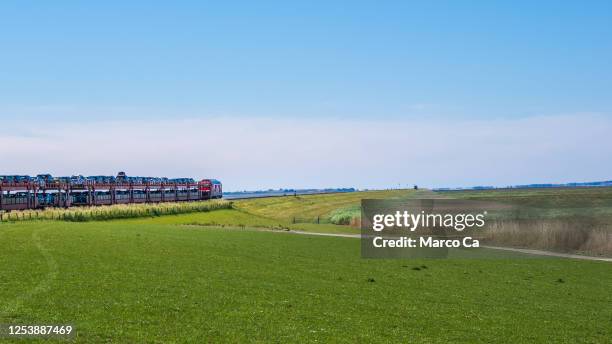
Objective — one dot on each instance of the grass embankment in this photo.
(315, 208)
(129, 283)
(308, 208)
(310, 213)
(325, 213)
(570, 220)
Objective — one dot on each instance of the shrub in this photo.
(117, 211)
(345, 216)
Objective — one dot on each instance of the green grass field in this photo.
(237, 219)
(216, 277)
(166, 283)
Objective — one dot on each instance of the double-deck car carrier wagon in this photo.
(24, 192)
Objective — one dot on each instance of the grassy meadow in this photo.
(216, 276)
(128, 282)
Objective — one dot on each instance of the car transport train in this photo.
(20, 192)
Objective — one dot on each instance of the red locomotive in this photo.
(210, 188)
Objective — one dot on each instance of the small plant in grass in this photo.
(345, 216)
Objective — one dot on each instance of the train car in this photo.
(217, 191)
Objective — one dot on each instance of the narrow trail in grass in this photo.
(548, 253)
(518, 250)
(45, 283)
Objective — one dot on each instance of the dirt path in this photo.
(519, 250)
(551, 254)
(45, 284)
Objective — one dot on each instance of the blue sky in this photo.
(388, 62)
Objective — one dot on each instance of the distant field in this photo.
(577, 220)
(565, 201)
(155, 280)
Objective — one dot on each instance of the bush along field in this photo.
(118, 211)
(346, 216)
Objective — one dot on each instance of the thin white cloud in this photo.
(249, 153)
